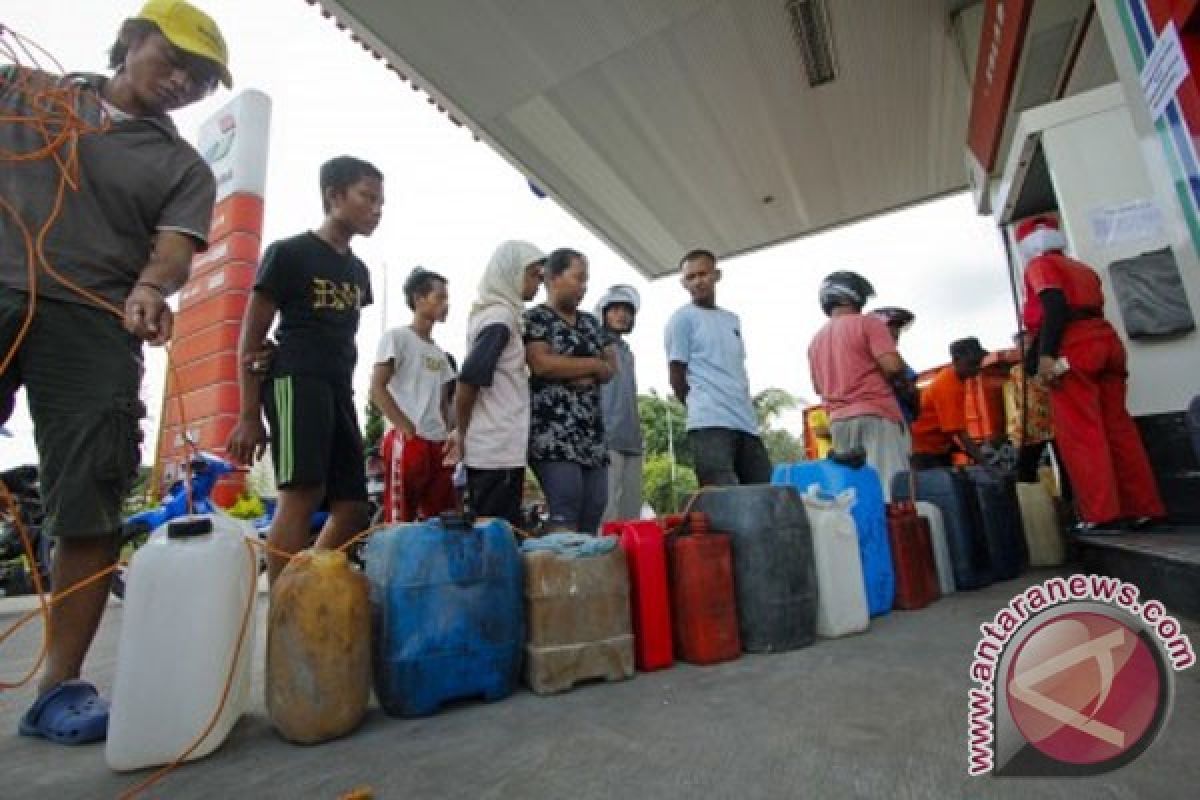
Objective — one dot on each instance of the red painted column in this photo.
(202, 400)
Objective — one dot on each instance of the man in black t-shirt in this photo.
(317, 286)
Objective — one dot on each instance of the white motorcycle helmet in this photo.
(620, 293)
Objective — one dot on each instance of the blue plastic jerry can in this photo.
(447, 613)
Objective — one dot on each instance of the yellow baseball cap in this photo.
(191, 30)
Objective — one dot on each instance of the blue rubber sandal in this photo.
(71, 713)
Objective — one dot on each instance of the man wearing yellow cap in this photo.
(121, 236)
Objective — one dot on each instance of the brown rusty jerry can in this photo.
(579, 623)
(318, 648)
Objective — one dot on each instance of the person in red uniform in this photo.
(1082, 361)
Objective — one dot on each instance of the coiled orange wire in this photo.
(60, 126)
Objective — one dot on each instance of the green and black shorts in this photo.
(315, 438)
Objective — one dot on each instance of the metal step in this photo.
(1164, 564)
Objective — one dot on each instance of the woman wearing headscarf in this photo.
(570, 355)
(491, 403)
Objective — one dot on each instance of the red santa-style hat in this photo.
(1030, 224)
(1039, 235)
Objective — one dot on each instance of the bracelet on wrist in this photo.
(153, 286)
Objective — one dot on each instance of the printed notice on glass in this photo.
(1165, 69)
(1135, 221)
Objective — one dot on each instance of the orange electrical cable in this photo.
(62, 101)
(346, 545)
(56, 106)
(60, 127)
(229, 677)
(14, 510)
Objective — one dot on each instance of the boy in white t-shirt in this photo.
(411, 386)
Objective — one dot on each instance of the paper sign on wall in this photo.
(1135, 221)
(1165, 69)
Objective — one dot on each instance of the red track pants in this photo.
(1100, 444)
(415, 483)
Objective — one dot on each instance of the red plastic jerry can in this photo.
(703, 604)
(645, 550)
(912, 557)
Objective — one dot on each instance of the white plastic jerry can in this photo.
(841, 593)
(187, 630)
(941, 548)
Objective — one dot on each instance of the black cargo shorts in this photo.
(81, 372)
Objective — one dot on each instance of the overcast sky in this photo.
(450, 200)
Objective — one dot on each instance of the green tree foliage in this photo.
(531, 489)
(770, 403)
(373, 430)
(654, 412)
(782, 446)
(260, 480)
(663, 495)
(143, 495)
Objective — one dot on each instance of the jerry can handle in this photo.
(687, 509)
(685, 527)
(189, 527)
(452, 520)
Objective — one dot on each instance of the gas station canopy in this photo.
(665, 125)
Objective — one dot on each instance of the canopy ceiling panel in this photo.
(670, 124)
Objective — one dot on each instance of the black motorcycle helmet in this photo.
(901, 318)
(844, 288)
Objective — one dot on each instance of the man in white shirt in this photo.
(410, 385)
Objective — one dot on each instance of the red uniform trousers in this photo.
(416, 485)
(1100, 443)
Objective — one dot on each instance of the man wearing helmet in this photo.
(707, 362)
(1081, 359)
(854, 364)
(898, 320)
(617, 311)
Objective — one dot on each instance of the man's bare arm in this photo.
(381, 375)
(147, 315)
(677, 371)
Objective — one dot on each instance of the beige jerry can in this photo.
(1040, 521)
(579, 623)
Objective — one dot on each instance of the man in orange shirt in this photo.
(941, 426)
(1081, 359)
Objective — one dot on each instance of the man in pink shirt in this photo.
(854, 367)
